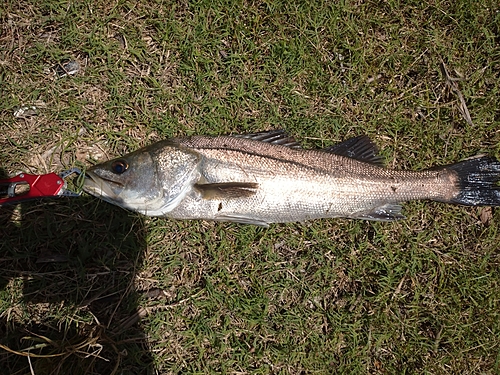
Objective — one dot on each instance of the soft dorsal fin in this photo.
(360, 148)
(275, 137)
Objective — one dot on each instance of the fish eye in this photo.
(119, 166)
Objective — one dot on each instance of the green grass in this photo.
(330, 296)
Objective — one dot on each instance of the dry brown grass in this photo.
(88, 288)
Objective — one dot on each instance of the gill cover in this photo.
(177, 171)
(152, 180)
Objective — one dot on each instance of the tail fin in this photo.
(478, 181)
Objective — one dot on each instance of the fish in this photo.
(267, 177)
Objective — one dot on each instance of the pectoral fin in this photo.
(227, 190)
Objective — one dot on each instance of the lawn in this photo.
(88, 288)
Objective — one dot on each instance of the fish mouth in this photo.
(101, 187)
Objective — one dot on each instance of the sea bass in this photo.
(267, 177)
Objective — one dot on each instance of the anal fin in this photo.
(242, 219)
(227, 190)
(387, 212)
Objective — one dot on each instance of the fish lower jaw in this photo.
(148, 209)
(158, 207)
(99, 193)
(155, 207)
(97, 187)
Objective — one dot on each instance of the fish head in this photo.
(152, 180)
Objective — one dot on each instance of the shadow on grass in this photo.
(67, 293)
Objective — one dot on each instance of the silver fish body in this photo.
(267, 178)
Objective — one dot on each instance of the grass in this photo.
(90, 288)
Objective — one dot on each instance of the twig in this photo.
(32, 355)
(31, 366)
(452, 84)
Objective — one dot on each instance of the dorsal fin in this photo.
(360, 148)
(275, 137)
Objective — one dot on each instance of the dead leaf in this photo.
(486, 215)
(452, 84)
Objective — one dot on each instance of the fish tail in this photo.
(478, 182)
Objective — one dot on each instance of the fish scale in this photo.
(334, 186)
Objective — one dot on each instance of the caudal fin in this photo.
(478, 181)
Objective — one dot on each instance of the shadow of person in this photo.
(67, 296)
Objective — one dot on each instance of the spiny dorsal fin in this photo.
(360, 148)
(275, 137)
(227, 190)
